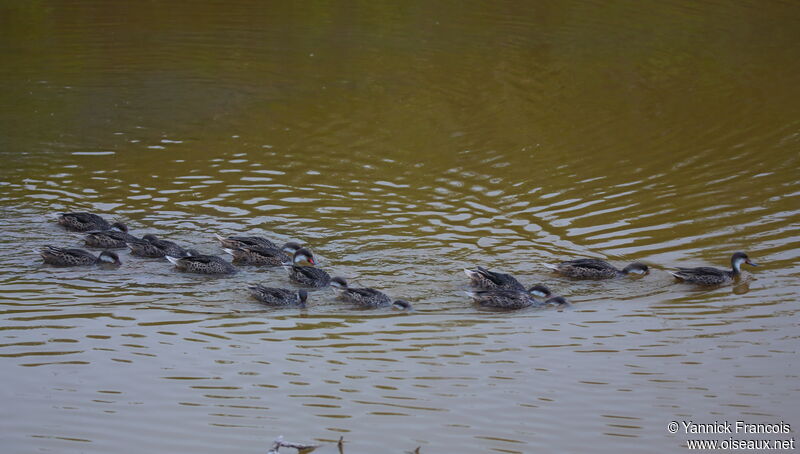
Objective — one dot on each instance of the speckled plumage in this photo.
(151, 246)
(262, 255)
(202, 264)
(236, 242)
(279, 296)
(595, 269)
(82, 222)
(308, 276)
(482, 278)
(110, 239)
(511, 299)
(75, 257)
(367, 298)
(706, 275)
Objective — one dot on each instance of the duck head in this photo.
(291, 247)
(540, 291)
(557, 301)
(339, 283)
(402, 305)
(303, 255)
(738, 258)
(637, 268)
(109, 257)
(301, 296)
(120, 227)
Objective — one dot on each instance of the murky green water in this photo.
(402, 142)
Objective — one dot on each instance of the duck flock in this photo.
(488, 288)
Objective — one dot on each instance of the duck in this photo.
(596, 269)
(515, 299)
(115, 238)
(308, 276)
(367, 298)
(279, 296)
(82, 221)
(153, 247)
(236, 242)
(261, 255)
(202, 264)
(483, 279)
(76, 257)
(705, 275)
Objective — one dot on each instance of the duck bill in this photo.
(751, 263)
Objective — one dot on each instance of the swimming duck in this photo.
(484, 279)
(151, 246)
(261, 255)
(203, 264)
(236, 242)
(366, 297)
(82, 222)
(115, 238)
(279, 296)
(596, 269)
(308, 276)
(705, 275)
(515, 299)
(75, 257)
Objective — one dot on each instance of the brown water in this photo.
(402, 142)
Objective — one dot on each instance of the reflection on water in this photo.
(401, 143)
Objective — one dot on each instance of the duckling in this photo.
(279, 296)
(237, 242)
(308, 276)
(514, 299)
(261, 255)
(367, 298)
(596, 269)
(483, 279)
(82, 221)
(115, 238)
(151, 246)
(202, 264)
(705, 275)
(75, 257)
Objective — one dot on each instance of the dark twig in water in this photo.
(300, 447)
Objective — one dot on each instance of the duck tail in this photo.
(230, 251)
(220, 237)
(550, 267)
(677, 275)
(173, 260)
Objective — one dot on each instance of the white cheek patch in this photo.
(538, 293)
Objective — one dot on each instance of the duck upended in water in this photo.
(515, 299)
(262, 255)
(82, 221)
(236, 242)
(202, 264)
(153, 247)
(279, 296)
(115, 238)
(308, 276)
(366, 297)
(706, 275)
(484, 279)
(76, 257)
(596, 269)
